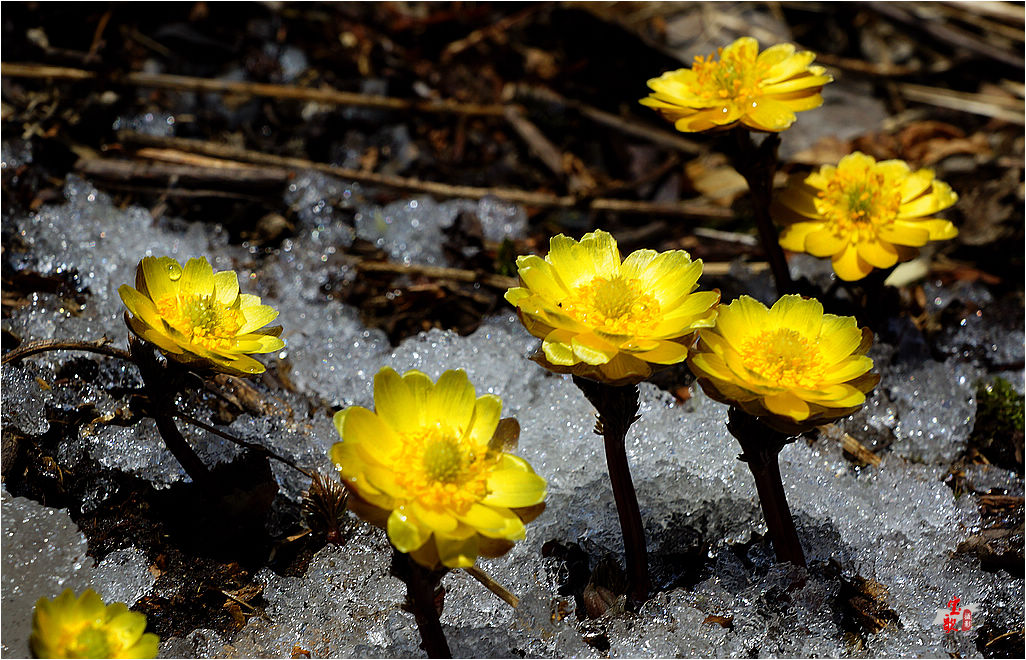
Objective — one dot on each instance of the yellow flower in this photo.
(791, 365)
(83, 627)
(198, 317)
(428, 466)
(760, 90)
(606, 320)
(863, 214)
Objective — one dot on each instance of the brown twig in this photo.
(987, 105)
(326, 96)
(100, 346)
(492, 586)
(437, 272)
(181, 175)
(239, 441)
(628, 126)
(528, 198)
(543, 148)
(949, 34)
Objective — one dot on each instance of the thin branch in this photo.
(986, 105)
(242, 443)
(624, 125)
(949, 35)
(99, 346)
(528, 198)
(491, 585)
(324, 95)
(436, 272)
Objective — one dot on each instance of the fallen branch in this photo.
(100, 346)
(181, 175)
(987, 105)
(324, 95)
(500, 282)
(637, 129)
(528, 198)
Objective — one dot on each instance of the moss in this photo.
(998, 433)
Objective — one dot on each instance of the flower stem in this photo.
(160, 391)
(758, 165)
(761, 446)
(617, 408)
(422, 587)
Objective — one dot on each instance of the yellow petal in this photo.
(494, 522)
(226, 286)
(487, 411)
(849, 266)
(457, 552)
(452, 399)
(697, 310)
(140, 306)
(939, 230)
(154, 336)
(839, 338)
(197, 278)
(877, 254)
(767, 114)
(848, 369)
(804, 315)
(800, 198)
(403, 531)
(377, 439)
(600, 247)
(540, 278)
(736, 321)
(905, 233)
(557, 348)
(155, 275)
(254, 343)
(591, 349)
(668, 352)
(514, 488)
(915, 184)
(257, 316)
(941, 196)
(825, 243)
(394, 402)
(636, 263)
(793, 236)
(571, 263)
(787, 404)
(436, 520)
(623, 369)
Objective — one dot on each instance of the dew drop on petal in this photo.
(174, 271)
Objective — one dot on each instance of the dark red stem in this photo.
(761, 446)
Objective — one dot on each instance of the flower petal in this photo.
(226, 286)
(395, 403)
(457, 552)
(197, 278)
(514, 488)
(451, 399)
(403, 531)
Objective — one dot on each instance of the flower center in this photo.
(442, 470)
(202, 319)
(734, 76)
(90, 642)
(858, 204)
(617, 305)
(784, 357)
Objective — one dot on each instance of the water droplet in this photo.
(174, 271)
